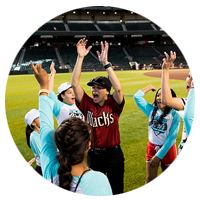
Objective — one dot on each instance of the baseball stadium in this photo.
(136, 51)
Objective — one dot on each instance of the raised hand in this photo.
(103, 56)
(149, 88)
(168, 61)
(81, 48)
(52, 69)
(41, 75)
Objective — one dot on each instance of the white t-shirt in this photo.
(64, 111)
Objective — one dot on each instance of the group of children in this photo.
(88, 127)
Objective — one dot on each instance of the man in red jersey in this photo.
(102, 113)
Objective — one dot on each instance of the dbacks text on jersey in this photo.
(106, 119)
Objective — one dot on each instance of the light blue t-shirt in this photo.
(188, 116)
(64, 111)
(36, 146)
(92, 183)
(159, 133)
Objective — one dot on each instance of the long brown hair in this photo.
(166, 111)
(71, 138)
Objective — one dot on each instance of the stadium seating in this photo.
(110, 26)
(81, 26)
(116, 55)
(138, 26)
(16, 60)
(142, 51)
(143, 54)
(37, 55)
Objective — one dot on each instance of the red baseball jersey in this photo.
(103, 120)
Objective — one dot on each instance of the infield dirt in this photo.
(173, 74)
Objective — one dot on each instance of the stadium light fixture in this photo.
(46, 36)
(136, 36)
(80, 36)
(108, 36)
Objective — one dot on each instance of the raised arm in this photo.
(52, 76)
(42, 78)
(82, 52)
(141, 102)
(149, 88)
(189, 114)
(49, 163)
(117, 89)
(167, 98)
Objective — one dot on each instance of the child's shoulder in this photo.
(174, 112)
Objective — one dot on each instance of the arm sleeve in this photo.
(57, 104)
(171, 139)
(35, 143)
(142, 103)
(49, 162)
(189, 111)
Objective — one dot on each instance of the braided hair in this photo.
(71, 138)
(166, 111)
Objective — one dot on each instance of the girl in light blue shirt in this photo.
(64, 106)
(33, 136)
(163, 128)
(66, 167)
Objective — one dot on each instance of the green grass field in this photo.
(22, 96)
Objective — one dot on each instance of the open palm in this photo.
(168, 61)
(81, 48)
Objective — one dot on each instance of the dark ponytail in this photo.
(71, 138)
(29, 130)
(166, 111)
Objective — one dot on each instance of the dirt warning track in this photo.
(173, 74)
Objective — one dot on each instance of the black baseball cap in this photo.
(102, 81)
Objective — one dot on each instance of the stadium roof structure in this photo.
(64, 9)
